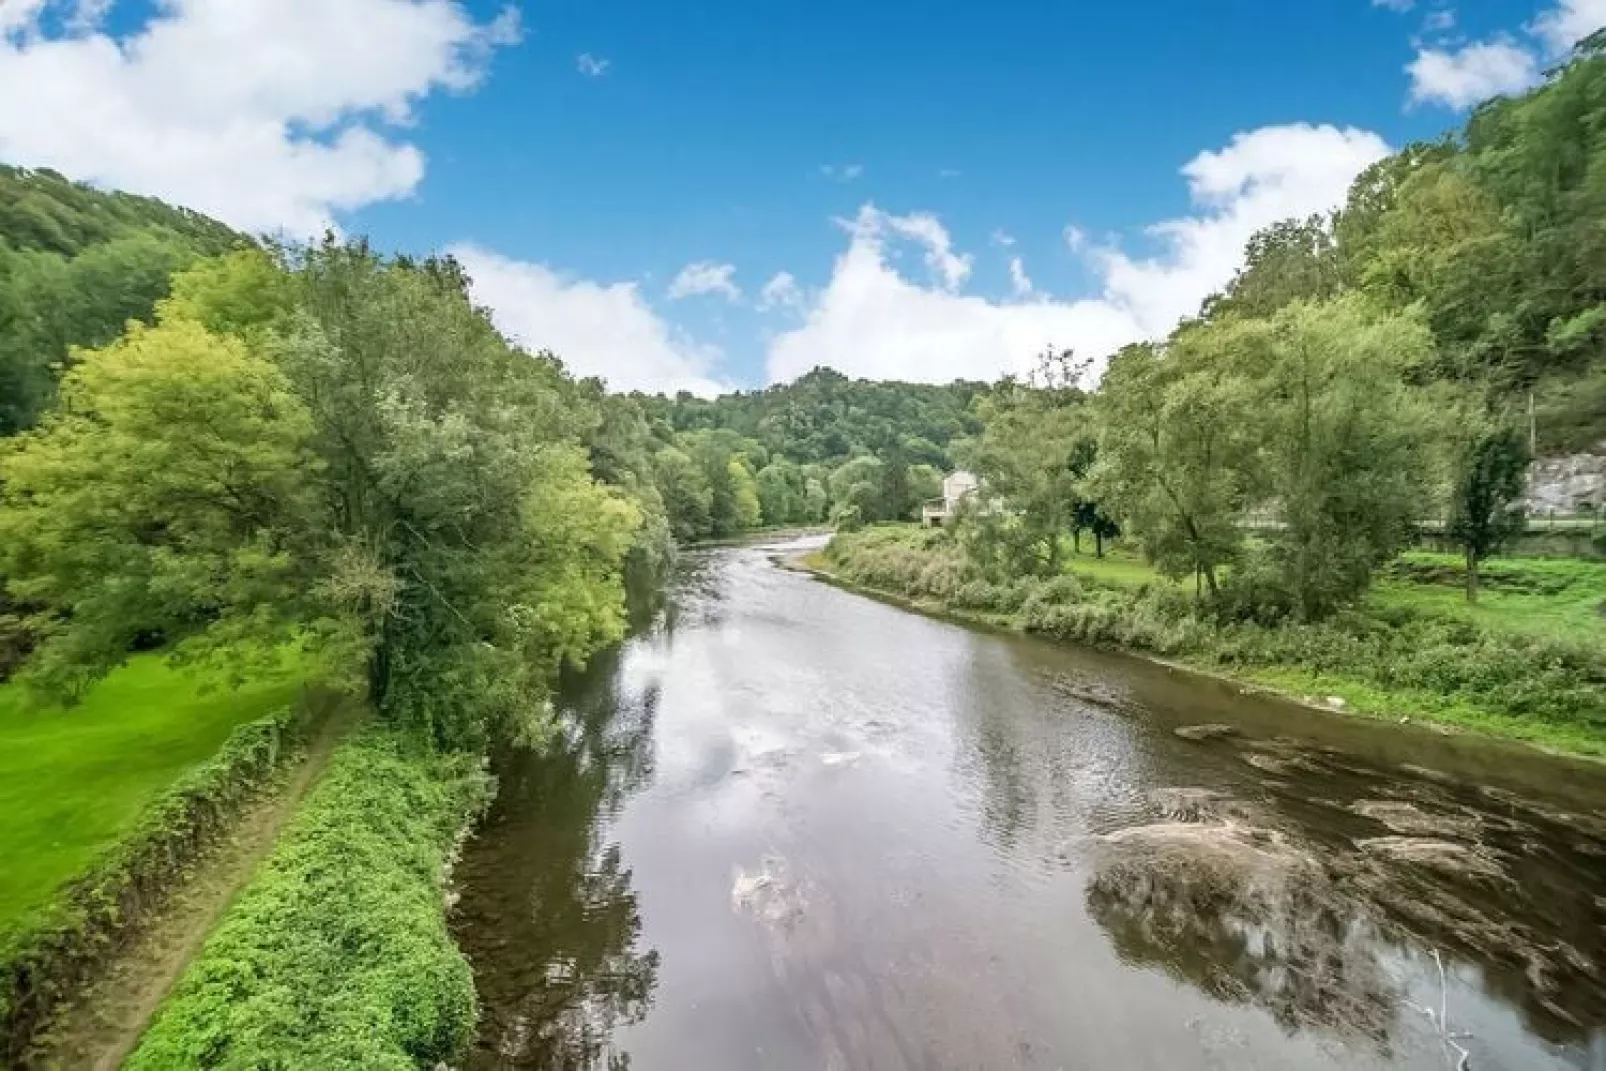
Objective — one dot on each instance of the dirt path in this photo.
(101, 1027)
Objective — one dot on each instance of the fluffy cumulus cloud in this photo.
(705, 277)
(872, 320)
(1460, 78)
(1569, 22)
(1464, 75)
(598, 329)
(260, 112)
(1263, 176)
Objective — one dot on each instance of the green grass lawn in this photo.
(71, 781)
(1118, 566)
(1557, 598)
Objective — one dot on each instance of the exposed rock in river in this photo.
(1209, 731)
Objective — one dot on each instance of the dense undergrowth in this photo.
(63, 945)
(1383, 658)
(338, 953)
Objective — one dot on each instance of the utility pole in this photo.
(1533, 428)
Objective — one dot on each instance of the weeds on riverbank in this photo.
(338, 954)
(1386, 659)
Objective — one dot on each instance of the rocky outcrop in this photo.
(1566, 485)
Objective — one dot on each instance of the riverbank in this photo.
(1400, 663)
(337, 953)
(93, 884)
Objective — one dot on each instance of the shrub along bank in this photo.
(65, 943)
(1389, 659)
(338, 954)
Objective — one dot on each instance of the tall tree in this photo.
(1485, 510)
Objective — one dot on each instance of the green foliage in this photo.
(168, 495)
(106, 767)
(1484, 510)
(337, 954)
(469, 551)
(1343, 446)
(76, 264)
(1176, 444)
(1032, 456)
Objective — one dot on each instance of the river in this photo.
(793, 827)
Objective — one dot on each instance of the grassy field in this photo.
(1556, 598)
(72, 780)
(1559, 598)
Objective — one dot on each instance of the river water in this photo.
(793, 827)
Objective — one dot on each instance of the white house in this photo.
(955, 486)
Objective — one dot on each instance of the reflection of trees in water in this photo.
(548, 916)
(1245, 919)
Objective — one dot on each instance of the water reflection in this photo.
(864, 838)
(549, 918)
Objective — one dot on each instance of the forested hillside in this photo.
(824, 447)
(76, 264)
(1493, 239)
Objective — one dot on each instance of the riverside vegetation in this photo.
(1396, 654)
(215, 451)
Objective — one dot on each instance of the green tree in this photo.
(688, 500)
(1485, 511)
(1176, 449)
(1344, 444)
(172, 494)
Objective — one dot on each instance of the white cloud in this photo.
(1075, 238)
(1568, 23)
(1439, 21)
(924, 229)
(705, 277)
(592, 66)
(1019, 281)
(870, 320)
(1462, 77)
(1471, 74)
(842, 172)
(1002, 239)
(598, 329)
(260, 112)
(782, 291)
(1261, 177)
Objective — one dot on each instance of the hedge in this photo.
(338, 954)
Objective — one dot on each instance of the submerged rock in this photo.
(1412, 821)
(1449, 858)
(1207, 731)
(1245, 915)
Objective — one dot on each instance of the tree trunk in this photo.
(1076, 540)
(1098, 543)
(1472, 577)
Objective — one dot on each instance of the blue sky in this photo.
(929, 189)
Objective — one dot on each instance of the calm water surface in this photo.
(792, 827)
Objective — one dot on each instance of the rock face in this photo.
(1566, 485)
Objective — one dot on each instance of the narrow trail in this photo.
(99, 1029)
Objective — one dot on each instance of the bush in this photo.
(337, 954)
(95, 914)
